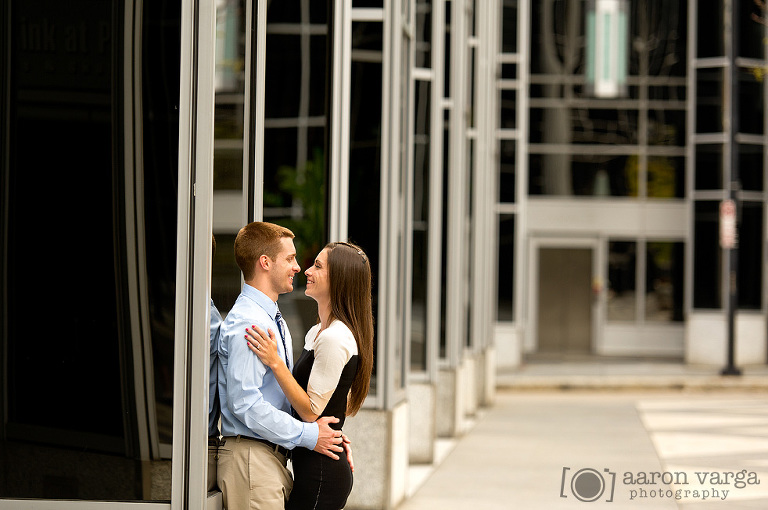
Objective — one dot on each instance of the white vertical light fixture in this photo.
(607, 52)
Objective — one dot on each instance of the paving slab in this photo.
(621, 450)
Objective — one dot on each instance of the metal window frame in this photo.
(482, 307)
(434, 76)
(455, 318)
(434, 236)
(193, 263)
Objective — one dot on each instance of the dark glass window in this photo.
(750, 249)
(73, 415)
(710, 29)
(367, 3)
(507, 162)
(751, 103)
(365, 150)
(444, 245)
(295, 138)
(666, 127)
(709, 100)
(582, 175)
(423, 48)
(622, 281)
(508, 71)
(751, 32)
(509, 26)
(707, 255)
(421, 183)
(664, 281)
(447, 51)
(508, 104)
(285, 11)
(751, 167)
(505, 310)
(229, 124)
(283, 76)
(666, 177)
(587, 126)
(709, 167)
(225, 275)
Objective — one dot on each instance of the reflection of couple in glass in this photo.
(263, 392)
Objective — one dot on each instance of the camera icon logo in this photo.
(588, 484)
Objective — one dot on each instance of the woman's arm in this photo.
(265, 347)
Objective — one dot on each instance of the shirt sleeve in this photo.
(245, 376)
(332, 352)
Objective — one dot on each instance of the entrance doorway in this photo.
(565, 302)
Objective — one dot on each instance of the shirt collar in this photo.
(261, 299)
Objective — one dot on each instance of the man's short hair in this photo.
(256, 239)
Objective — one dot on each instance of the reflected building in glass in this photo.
(532, 180)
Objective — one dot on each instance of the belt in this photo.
(274, 447)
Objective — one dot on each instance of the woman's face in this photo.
(318, 286)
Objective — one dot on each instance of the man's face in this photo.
(284, 267)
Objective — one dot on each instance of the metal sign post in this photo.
(729, 243)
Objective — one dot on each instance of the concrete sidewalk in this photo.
(550, 449)
(596, 373)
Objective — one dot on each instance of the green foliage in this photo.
(307, 187)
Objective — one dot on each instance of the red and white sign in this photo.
(728, 238)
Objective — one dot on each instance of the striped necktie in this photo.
(281, 329)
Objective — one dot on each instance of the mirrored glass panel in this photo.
(509, 26)
(751, 101)
(507, 170)
(751, 167)
(585, 145)
(709, 167)
(506, 261)
(709, 100)
(423, 47)
(88, 416)
(751, 258)
(664, 285)
(665, 177)
(622, 281)
(296, 131)
(710, 23)
(421, 183)
(707, 255)
(365, 148)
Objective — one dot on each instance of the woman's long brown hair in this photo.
(349, 274)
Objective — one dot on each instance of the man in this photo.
(256, 424)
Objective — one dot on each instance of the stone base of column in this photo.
(380, 451)
(422, 414)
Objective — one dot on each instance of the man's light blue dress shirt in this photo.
(252, 402)
(213, 401)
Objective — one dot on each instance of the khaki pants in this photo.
(252, 476)
(213, 456)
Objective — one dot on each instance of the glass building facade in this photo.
(514, 208)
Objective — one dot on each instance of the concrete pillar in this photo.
(380, 451)
(422, 416)
(486, 377)
(469, 376)
(451, 391)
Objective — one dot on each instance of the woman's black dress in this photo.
(319, 481)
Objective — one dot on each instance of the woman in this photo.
(332, 375)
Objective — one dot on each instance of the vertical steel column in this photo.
(193, 262)
(732, 123)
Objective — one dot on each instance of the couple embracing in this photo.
(273, 407)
